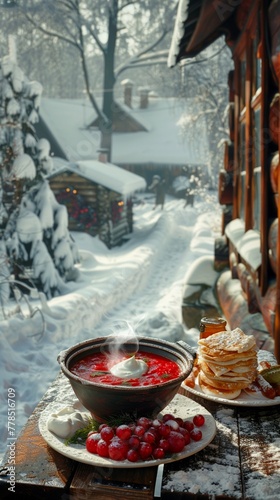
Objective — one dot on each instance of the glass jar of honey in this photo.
(208, 326)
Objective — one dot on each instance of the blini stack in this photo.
(227, 363)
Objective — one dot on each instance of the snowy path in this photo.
(158, 287)
(141, 282)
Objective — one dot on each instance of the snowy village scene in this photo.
(139, 255)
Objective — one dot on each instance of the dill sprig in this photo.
(80, 435)
(122, 418)
(98, 373)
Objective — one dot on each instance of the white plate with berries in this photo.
(182, 429)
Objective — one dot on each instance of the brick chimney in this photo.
(103, 155)
(127, 85)
(144, 97)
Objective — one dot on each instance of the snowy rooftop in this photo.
(106, 174)
(166, 141)
(198, 24)
(182, 14)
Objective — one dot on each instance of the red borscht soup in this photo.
(95, 368)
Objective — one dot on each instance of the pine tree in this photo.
(34, 225)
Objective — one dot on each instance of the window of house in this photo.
(257, 137)
(257, 198)
(252, 150)
(242, 194)
(243, 82)
(256, 132)
(256, 169)
(256, 64)
(242, 134)
(250, 68)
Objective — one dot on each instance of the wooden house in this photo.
(98, 197)
(146, 137)
(249, 182)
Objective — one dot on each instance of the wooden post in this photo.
(274, 24)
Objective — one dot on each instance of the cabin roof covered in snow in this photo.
(166, 140)
(198, 24)
(112, 177)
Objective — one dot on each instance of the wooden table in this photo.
(242, 462)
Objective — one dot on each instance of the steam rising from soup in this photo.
(124, 342)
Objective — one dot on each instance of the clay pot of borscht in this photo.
(88, 366)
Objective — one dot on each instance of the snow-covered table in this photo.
(242, 462)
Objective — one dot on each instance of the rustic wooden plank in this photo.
(41, 472)
(229, 152)
(214, 472)
(225, 188)
(113, 484)
(265, 154)
(259, 452)
(274, 26)
(231, 120)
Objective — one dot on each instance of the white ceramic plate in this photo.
(181, 406)
(242, 400)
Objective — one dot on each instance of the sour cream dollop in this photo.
(66, 422)
(129, 368)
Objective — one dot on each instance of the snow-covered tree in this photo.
(126, 34)
(34, 225)
(205, 82)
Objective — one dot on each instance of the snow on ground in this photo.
(141, 282)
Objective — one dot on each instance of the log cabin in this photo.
(98, 197)
(249, 182)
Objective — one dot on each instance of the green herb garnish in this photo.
(165, 375)
(80, 435)
(98, 373)
(145, 359)
(122, 418)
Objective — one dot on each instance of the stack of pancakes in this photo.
(227, 363)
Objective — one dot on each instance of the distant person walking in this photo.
(190, 191)
(158, 186)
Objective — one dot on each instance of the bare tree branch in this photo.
(134, 60)
(94, 35)
(51, 33)
(139, 64)
(122, 7)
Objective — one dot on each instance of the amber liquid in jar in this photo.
(208, 326)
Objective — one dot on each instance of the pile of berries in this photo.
(145, 439)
